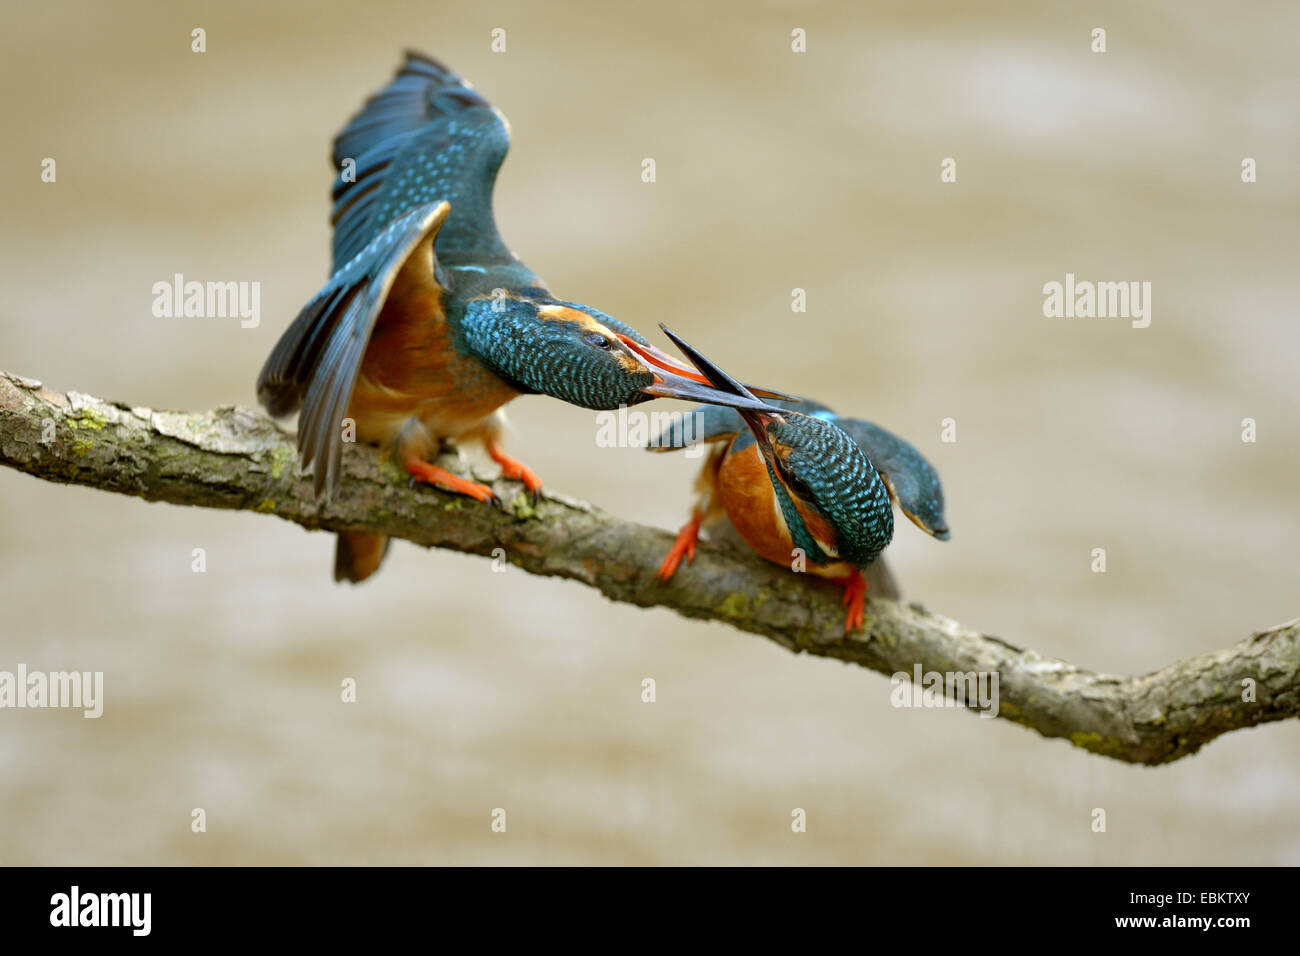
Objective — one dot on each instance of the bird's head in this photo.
(581, 356)
(833, 501)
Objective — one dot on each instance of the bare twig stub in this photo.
(237, 458)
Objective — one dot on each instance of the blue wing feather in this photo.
(426, 139)
(316, 362)
(428, 136)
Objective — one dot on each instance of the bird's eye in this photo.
(598, 340)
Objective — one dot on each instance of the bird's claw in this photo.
(512, 469)
(855, 599)
(683, 547)
(423, 471)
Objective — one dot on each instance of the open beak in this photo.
(675, 380)
(662, 361)
(756, 416)
(671, 385)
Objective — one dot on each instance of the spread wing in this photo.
(704, 423)
(316, 361)
(417, 167)
(428, 136)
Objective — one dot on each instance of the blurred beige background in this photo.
(775, 171)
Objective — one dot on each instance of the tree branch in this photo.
(236, 458)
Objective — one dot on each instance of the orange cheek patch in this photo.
(563, 313)
(629, 364)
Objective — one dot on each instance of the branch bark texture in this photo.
(237, 458)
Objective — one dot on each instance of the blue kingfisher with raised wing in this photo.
(429, 323)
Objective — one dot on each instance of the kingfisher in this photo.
(429, 324)
(798, 481)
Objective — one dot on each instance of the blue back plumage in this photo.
(825, 468)
(906, 473)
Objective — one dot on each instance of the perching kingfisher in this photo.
(801, 477)
(429, 323)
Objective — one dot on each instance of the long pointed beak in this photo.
(659, 359)
(671, 385)
(755, 418)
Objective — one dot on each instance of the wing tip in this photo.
(412, 55)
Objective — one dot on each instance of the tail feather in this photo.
(358, 555)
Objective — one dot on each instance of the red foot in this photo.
(515, 470)
(855, 599)
(421, 470)
(683, 547)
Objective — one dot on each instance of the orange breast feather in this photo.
(411, 368)
(746, 492)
